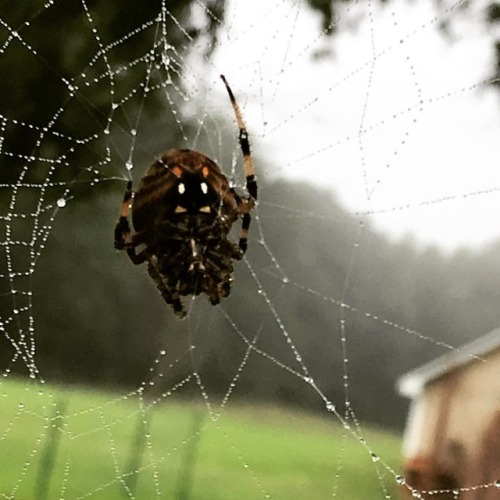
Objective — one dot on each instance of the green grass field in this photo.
(111, 447)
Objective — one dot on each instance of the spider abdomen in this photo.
(181, 182)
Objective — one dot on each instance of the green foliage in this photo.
(248, 450)
(49, 451)
(136, 454)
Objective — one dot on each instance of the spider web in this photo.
(351, 111)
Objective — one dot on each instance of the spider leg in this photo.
(166, 292)
(245, 225)
(124, 238)
(245, 205)
(244, 144)
(123, 233)
(138, 258)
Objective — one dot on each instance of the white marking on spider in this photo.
(204, 187)
(182, 188)
(193, 247)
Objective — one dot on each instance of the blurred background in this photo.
(374, 247)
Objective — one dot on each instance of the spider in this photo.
(182, 214)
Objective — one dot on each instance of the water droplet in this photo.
(129, 165)
(133, 132)
(61, 202)
(106, 131)
(21, 406)
(497, 484)
(375, 457)
(400, 480)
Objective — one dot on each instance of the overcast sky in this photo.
(411, 134)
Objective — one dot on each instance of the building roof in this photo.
(412, 383)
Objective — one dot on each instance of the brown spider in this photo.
(182, 214)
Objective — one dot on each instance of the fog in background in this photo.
(393, 112)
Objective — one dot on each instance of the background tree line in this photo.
(99, 320)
